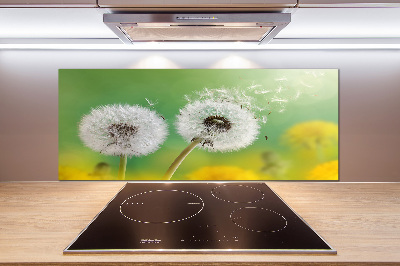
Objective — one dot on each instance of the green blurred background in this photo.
(301, 144)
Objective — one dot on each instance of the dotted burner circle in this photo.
(237, 193)
(257, 219)
(161, 206)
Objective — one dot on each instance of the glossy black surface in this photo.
(184, 217)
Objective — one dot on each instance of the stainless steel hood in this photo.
(258, 28)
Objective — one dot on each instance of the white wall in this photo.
(369, 101)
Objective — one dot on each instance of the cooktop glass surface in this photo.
(198, 217)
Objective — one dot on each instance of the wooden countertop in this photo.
(360, 220)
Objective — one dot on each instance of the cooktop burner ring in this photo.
(237, 220)
(260, 195)
(139, 204)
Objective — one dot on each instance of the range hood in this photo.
(258, 28)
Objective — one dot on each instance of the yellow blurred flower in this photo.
(325, 171)
(222, 173)
(100, 172)
(312, 134)
(70, 173)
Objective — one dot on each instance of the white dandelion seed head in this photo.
(248, 98)
(223, 126)
(123, 130)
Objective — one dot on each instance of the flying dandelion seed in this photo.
(315, 74)
(281, 79)
(279, 100)
(151, 104)
(262, 91)
(311, 82)
(253, 86)
(297, 95)
(306, 85)
(124, 131)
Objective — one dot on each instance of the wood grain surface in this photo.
(360, 220)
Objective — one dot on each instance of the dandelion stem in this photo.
(171, 170)
(122, 167)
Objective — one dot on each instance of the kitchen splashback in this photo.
(198, 124)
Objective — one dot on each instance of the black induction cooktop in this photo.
(198, 217)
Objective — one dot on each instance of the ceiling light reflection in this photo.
(155, 62)
(234, 61)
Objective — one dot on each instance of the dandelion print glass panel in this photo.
(198, 124)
